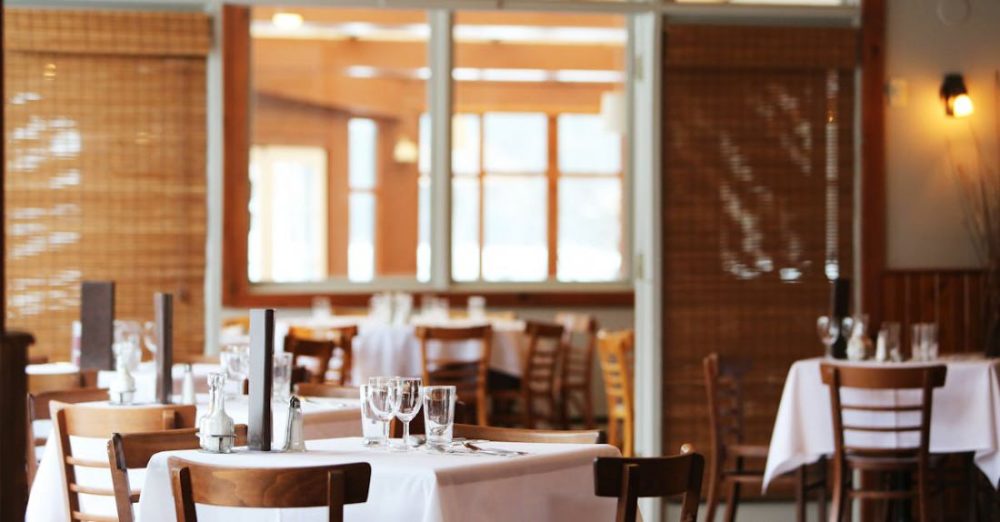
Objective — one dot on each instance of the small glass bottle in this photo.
(294, 440)
(122, 389)
(216, 430)
(187, 386)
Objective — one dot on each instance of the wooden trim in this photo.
(615, 299)
(553, 193)
(236, 141)
(873, 177)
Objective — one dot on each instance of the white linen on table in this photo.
(322, 418)
(145, 376)
(965, 416)
(553, 483)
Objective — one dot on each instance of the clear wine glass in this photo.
(406, 398)
(149, 336)
(380, 399)
(828, 330)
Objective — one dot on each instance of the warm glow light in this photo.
(285, 20)
(405, 151)
(961, 106)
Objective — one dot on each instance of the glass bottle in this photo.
(216, 430)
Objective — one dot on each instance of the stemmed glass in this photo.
(828, 330)
(381, 397)
(406, 399)
(235, 361)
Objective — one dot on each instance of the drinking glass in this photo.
(439, 414)
(477, 308)
(281, 387)
(924, 342)
(930, 341)
(235, 361)
(828, 330)
(149, 336)
(372, 429)
(888, 342)
(407, 401)
(127, 335)
(381, 400)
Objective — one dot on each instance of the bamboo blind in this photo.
(105, 126)
(758, 183)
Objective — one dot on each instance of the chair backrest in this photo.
(333, 391)
(469, 376)
(493, 433)
(38, 410)
(343, 343)
(631, 478)
(43, 382)
(544, 342)
(97, 421)
(321, 350)
(578, 359)
(615, 350)
(873, 417)
(723, 388)
(332, 486)
(133, 450)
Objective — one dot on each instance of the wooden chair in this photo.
(631, 478)
(615, 351)
(102, 422)
(850, 457)
(493, 433)
(331, 486)
(538, 379)
(343, 347)
(239, 321)
(43, 382)
(38, 410)
(576, 367)
(133, 450)
(333, 391)
(469, 376)
(321, 350)
(727, 469)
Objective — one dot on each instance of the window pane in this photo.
(590, 229)
(361, 246)
(361, 135)
(515, 216)
(515, 142)
(465, 229)
(465, 144)
(424, 231)
(586, 146)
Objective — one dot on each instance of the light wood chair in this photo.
(79, 420)
(538, 379)
(615, 351)
(469, 376)
(495, 434)
(333, 391)
(576, 367)
(240, 321)
(38, 410)
(331, 486)
(631, 478)
(320, 350)
(872, 418)
(133, 450)
(727, 469)
(43, 382)
(343, 347)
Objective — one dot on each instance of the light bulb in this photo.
(286, 20)
(961, 106)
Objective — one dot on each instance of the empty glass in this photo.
(887, 347)
(372, 428)
(924, 343)
(439, 414)
(235, 361)
(407, 401)
(477, 308)
(828, 330)
(127, 335)
(281, 383)
(381, 400)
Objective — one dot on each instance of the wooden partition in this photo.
(950, 298)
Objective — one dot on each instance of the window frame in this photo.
(238, 291)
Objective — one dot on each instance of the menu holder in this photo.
(259, 427)
(163, 305)
(97, 325)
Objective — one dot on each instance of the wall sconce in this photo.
(957, 102)
(405, 151)
(286, 20)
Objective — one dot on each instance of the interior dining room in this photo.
(493, 260)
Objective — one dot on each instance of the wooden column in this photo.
(261, 356)
(163, 306)
(873, 182)
(13, 446)
(97, 321)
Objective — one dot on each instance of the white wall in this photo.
(925, 226)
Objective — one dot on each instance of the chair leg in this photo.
(800, 494)
(714, 484)
(821, 493)
(922, 495)
(732, 501)
(588, 408)
(836, 514)
(563, 407)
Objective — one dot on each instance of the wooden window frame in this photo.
(238, 291)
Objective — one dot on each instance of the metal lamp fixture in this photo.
(957, 102)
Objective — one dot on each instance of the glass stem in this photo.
(385, 432)
(406, 433)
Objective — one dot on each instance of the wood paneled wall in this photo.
(950, 298)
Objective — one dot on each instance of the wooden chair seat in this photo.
(332, 391)
(630, 478)
(752, 451)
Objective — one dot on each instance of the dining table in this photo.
(144, 375)
(551, 482)
(392, 348)
(47, 502)
(965, 414)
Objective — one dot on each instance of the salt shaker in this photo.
(216, 430)
(294, 441)
(122, 389)
(187, 386)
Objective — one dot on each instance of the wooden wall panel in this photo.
(950, 298)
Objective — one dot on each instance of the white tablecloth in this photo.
(385, 349)
(965, 416)
(323, 418)
(553, 483)
(145, 376)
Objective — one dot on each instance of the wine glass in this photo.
(381, 400)
(235, 361)
(828, 330)
(406, 398)
(149, 336)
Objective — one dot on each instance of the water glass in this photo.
(281, 373)
(406, 398)
(126, 340)
(372, 429)
(381, 400)
(477, 308)
(924, 343)
(439, 414)
(235, 361)
(828, 329)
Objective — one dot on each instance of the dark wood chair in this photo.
(469, 376)
(332, 391)
(38, 410)
(538, 379)
(849, 457)
(615, 350)
(331, 486)
(319, 350)
(133, 450)
(343, 347)
(730, 452)
(79, 420)
(495, 434)
(630, 478)
(576, 367)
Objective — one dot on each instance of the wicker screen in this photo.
(105, 175)
(758, 181)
